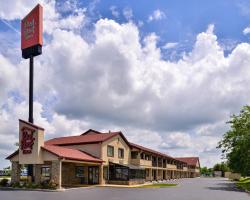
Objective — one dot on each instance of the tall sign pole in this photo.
(31, 45)
(31, 79)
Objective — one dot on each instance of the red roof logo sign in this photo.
(27, 141)
(31, 28)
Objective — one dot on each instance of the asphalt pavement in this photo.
(188, 189)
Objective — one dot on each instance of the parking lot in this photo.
(188, 189)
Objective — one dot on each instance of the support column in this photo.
(15, 172)
(150, 174)
(101, 181)
(37, 174)
(56, 172)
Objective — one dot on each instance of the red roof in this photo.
(82, 139)
(90, 136)
(189, 160)
(72, 154)
(149, 150)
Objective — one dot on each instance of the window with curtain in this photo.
(110, 151)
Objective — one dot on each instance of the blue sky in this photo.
(182, 20)
(168, 74)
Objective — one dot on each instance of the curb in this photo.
(30, 189)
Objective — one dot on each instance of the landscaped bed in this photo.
(244, 183)
(50, 185)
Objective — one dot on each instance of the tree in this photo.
(206, 171)
(223, 167)
(217, 167)
(235, 143)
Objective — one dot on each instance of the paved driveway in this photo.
(188, 189)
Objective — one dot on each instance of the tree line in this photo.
(235, 144)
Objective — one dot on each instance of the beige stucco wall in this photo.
(47, 156)
(235, 176)
(117, 142)
(35, 157)
(93, 149)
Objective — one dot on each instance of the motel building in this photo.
(93, 158)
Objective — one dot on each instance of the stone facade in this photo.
(69, 174)
(56, 172)
(16, 172)
(37, 174)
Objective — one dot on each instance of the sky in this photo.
(168, 74)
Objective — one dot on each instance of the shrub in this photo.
(52, 185)
(4, 182)
(47, 184)
(16, 185)
(31, 185)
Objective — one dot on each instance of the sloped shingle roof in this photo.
(72, 154)
(82, 139)
(149, 150)
(189, 160)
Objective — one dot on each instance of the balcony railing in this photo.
(171, 166)
(139, 161)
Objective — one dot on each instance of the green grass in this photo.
(160, 185)
(244, 183)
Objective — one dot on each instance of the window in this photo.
(134, 154)
(120, 153)
(45, 171)
(79, 171)
(118, 173)
(110, 151)
(136, 174)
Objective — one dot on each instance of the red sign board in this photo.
(32, 28)
(27, 140)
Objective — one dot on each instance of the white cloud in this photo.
(52, 19)
(117, 81)
(140, 23)
(127, 13)
(246, 31)
(114, 11)
(244, 8)
(170, 45)
(15, 9)
(177, 140)
(156, 15)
